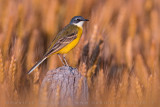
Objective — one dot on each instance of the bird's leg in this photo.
(61, 59)
(65, 60)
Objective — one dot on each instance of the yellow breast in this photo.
(71, 45)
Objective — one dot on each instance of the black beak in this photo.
(86, 20)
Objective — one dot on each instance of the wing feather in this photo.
(64, 38)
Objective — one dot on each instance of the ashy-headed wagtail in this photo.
(66, 40)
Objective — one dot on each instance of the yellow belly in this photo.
(71, 45)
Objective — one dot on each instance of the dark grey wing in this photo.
(62, 42)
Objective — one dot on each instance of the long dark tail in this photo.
(36, 65)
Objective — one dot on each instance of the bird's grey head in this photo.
(78, 20)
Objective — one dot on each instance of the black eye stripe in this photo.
(77, 20)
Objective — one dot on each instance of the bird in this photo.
(64, 41)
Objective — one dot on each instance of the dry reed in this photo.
(1, 68)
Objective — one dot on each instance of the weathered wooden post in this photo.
(64, 86)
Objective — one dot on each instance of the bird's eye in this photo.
(78, 20)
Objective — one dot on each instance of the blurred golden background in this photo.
(119, 51)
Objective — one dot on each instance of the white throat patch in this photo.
(79, 24)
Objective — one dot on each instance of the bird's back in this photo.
(69, 30)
